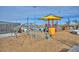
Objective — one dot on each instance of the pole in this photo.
(68, 21)
(48, 24)
(27, 21)
(52, 23)
(57, 25)
(27, 26)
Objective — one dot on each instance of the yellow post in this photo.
(52, 31)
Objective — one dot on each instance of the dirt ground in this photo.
(62, 41)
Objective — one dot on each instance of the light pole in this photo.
(27, 25)
(27, 22)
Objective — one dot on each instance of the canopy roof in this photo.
(51, 17)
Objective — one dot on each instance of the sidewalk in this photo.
(7, 35)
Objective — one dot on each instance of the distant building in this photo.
(6, 27)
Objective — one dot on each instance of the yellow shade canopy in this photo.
(51, 17)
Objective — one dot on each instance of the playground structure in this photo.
(47, 32)
(51, 29)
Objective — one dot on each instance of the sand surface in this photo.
(62, 41)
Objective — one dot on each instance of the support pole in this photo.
(52, 23)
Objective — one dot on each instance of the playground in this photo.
(43, 33)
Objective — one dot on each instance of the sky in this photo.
(20, 14)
